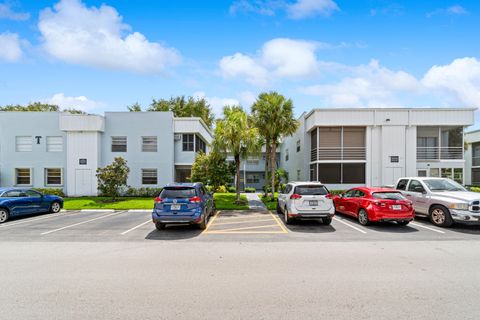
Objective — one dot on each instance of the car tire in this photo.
(327, 221)
(4, 215)
(403, 223)
(203, 225)
(279, 210)
(55, 207)
(160, 226)
(288, 220)
(363, 217)
(440, 216)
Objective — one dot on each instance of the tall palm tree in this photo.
(273, 117)
(235, 134)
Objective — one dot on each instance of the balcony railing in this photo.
(347, 153)
(476, 161)
(439, 153)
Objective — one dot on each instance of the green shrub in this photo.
(209, 188)
(250, 190)
(55, 191)
(231, 189)
(143, 192)
(475, 189)
(222, 189)
(335, 192)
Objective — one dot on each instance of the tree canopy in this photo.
(185, 107)
(212, 169)
(39, 107)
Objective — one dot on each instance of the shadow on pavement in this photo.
(456, 227)
(179, 232)
(390, 227)
(307, 226)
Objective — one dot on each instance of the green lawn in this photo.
(223, 201)
(271, 205)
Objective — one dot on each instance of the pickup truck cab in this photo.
(442, 200)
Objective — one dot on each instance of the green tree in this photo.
(136, 107)
(273, 116)
(74, 111)
(39, 107)
(212, 169)
(236, 135)
(113, 177)
(185, 107)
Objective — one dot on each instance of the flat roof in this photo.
(366, 109)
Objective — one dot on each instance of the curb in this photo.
(108, 210)
(97, 210)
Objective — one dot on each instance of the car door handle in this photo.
(408, 195)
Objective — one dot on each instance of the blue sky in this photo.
(105, 55)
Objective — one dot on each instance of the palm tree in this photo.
(235, 134)
(273, 117)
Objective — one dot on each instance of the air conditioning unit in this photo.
(178, 137)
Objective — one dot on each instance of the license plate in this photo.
(175, 207)
(313, 203)
(397, 207)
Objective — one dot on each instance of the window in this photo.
(12, 194)
(311, 190)
(149, 176)
(313, 172)
(253, 161)
(434, 172)
(394, 159)
(298, 145)
(330, 172)
(415, 186)
(422, 173)
(253, 178)
(149, 144)
(286, 155)
(54, 144)
(23, 143)
(119, 144)
(23, 176)
(299, 174)
(458, 175)
(288, 188)
(349, 193)
(200, 145)
(353, 173)
(188, 142)
(53, 177)
(32, 194)
(402, 184)
(178, 193)
(359, 194)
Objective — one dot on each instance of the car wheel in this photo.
(288, 220)
(440, 216)
(159, 226)
(403, 223)
(4, 215)
(55, 207)
(327, 221)
(203, 224)
(278, 208)
(363, 217)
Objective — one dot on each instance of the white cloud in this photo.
(216, 103)
(6, 12)
(309, 8)
(278, 58)
(97, 37)
(460, 80)
(247, 98)
(298, 9)
(455, 10)
(80, 102)
(10, 44)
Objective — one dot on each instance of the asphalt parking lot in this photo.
(224, 226)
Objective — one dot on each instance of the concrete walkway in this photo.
(254, 202)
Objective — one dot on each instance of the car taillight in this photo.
(158, 200)
(329, 196)
(295, 196)
(195, 199)
(380, 204)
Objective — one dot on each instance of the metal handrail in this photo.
(439, 153)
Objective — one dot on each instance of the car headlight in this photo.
(459, 206)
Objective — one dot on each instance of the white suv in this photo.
(305, 200)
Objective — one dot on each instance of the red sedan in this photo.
(375, 204)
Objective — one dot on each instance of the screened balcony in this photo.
(338, 143)
(476, 154)
(439, 143)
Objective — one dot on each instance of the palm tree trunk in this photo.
(273, 165)
(267, 160)
(237, 182)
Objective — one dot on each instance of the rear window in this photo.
(312, 190)
(388, 195)
(177, 192)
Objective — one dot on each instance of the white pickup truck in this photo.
(442, 200)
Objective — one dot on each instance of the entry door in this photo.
(83, 182)
(392, 174)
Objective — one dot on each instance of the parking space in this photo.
(250, 225)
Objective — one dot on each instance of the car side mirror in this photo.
(419, 189)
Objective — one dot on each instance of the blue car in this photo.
(183, 203)
(17, 202)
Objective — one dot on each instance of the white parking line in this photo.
(136, 227)
(79, 223)
(349, 225)
(425, 227)
(31, 220)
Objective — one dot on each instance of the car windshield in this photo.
(311, 190)
(443, 185)
(177, 192)
(388, 195)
